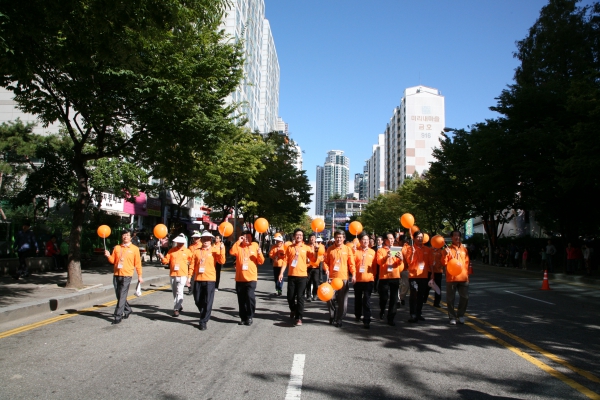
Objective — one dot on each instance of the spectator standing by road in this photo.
(151, 246)
(550, 252)
(124, 258)
(571, 258)
(585, 251)
(544, 258)
(53, 252)
(26, 246)
(135, 239)
(525, 256)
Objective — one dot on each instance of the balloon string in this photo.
(104, 243)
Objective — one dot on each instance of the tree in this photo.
(382, 214)
(552, 113)
(124, 78)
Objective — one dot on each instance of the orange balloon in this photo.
(225, 228)
(317, 225)
(261, 225)
(437, 242)
(407, 220)
(337, 283)
(160, 231)
(355, 227)
(325, 292)
(103, 231)
(454, 267)
(425, 238)
(413, 229)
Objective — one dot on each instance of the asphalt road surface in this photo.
(518, 343)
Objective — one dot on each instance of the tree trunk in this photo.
(74, 278)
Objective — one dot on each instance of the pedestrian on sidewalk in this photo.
(278, 261)
(458, 282)
(338, 261)
(151, 247)
(204, 261)
(571, 258)
(298, 256)
(550, 252)
(53, 252)
(178, 258)
(390, 267)
(125, 258)
(26, 246)
(366, 267)
(525, 257)
(247, 259)
(418, 259)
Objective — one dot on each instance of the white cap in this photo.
(278, 237)
(319, 239)
(207, 234)
(179, 239)
(196, 234)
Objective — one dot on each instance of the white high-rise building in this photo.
(413, 131)
(376, 169)
(258, 91)
(333, 178)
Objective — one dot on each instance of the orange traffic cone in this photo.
(545, 284)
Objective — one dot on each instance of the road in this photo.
(519, 343)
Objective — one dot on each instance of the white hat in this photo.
(179, 239)
(319, 239)
(278, 237)
(207, 234)
(196, 234)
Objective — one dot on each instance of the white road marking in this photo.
(294, 389)
(547, 302)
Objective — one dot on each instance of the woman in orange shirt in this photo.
(178, 258)
(277, 256)
(204, 261)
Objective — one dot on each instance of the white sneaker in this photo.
(461, 320)
(452, 322)
(216, 290)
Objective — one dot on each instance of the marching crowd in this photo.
(390, 266)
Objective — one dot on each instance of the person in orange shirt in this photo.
(218, 244)
(438, 270)
(247, 257)
(458, 282)
(204, 262)
(390, 267)
(298, 256)
(338, 261)
(278, 260)
(125, 258)
(366, 268)
(196, 244)
(314, 268)
(178, 259)
(419, 259)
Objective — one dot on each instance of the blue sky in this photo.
(345, 64)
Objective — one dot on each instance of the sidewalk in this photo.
(44, 293)
(537, 272)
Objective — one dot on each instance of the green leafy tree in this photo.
(382, 214)
(124, 78)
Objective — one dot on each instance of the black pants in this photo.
(246, 299)
(204, 294)
(276, 272)
(313, 282)
(121, 284)
(376, 282)
(295, 294)
(218, 269)
(418, 292)
(388, 289)
(362, 300)
(151, 251)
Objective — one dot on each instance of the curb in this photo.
(61, 303)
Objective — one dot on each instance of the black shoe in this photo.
(338, 324)
(248, 322)
(202, 327)
(242, 322)
(420, 318)
(412, 320)
(308, 299)
(314, 298)
(125, 316)
(358, 319)
(330, 321)
(116, 321)
(391, 323)
(436, 305)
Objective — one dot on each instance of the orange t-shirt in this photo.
(179, 259)
(277, 254)
(419, 261)
(128, 258)
(462, 255)
(319, 258)
(389, 267)
(204, 263)
(298, 257)
(338, 260)
(247, 259)
(366, 265)
(438, 266)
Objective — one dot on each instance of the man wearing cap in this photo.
(178, 258)
(314, 268)
(297, 255)
(338, 261)
(25, 244)
(277, 256)
(204, 261)
(247, 258)
(125, 258)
